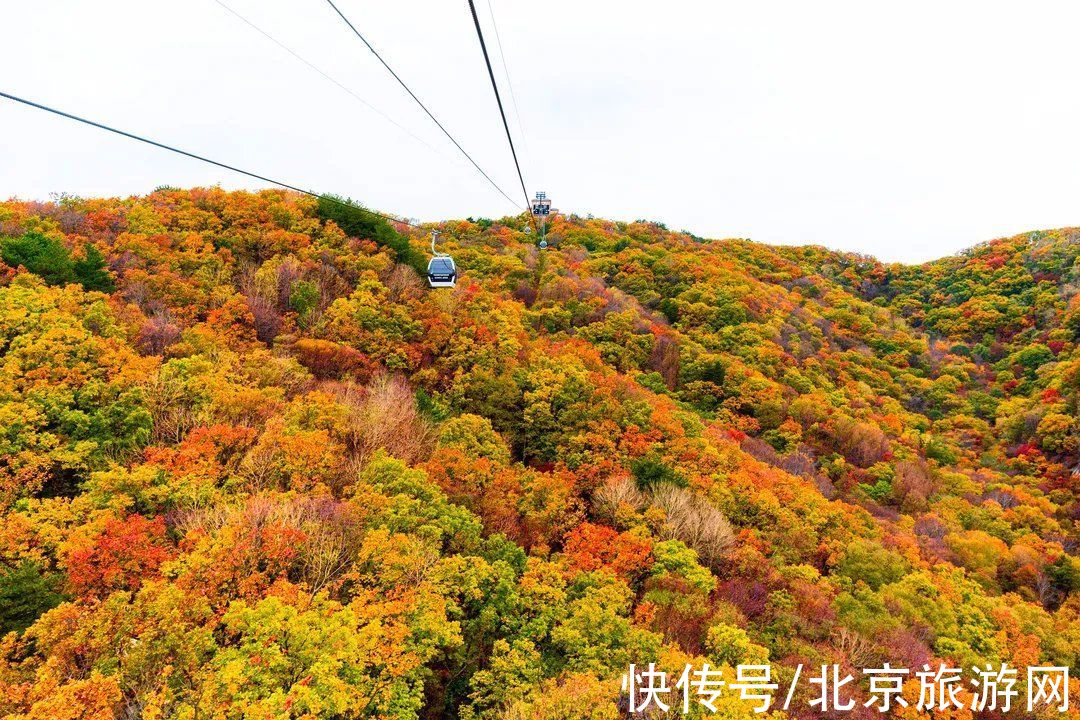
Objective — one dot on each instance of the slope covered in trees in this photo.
(250, 467)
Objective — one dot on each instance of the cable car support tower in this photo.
(541, 209)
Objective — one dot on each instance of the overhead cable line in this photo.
(201, 158)
(506, 72)
(418, 102)
(326, 75)
(498, 99)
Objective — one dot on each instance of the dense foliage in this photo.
(250, 467)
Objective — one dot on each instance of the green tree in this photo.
(41, 255)
(357, 221)
(474, 436)
(868, 561)
(303, 298)
(25, 593)
(650, 472)
(730, 645)
(90, 272)
(675, 558)
(325, 660)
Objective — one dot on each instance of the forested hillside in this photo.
(251, 467)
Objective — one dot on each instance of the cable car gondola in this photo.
(441, 270)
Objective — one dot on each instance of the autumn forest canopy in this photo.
(251, 467)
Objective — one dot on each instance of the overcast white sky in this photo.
(904, 130)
